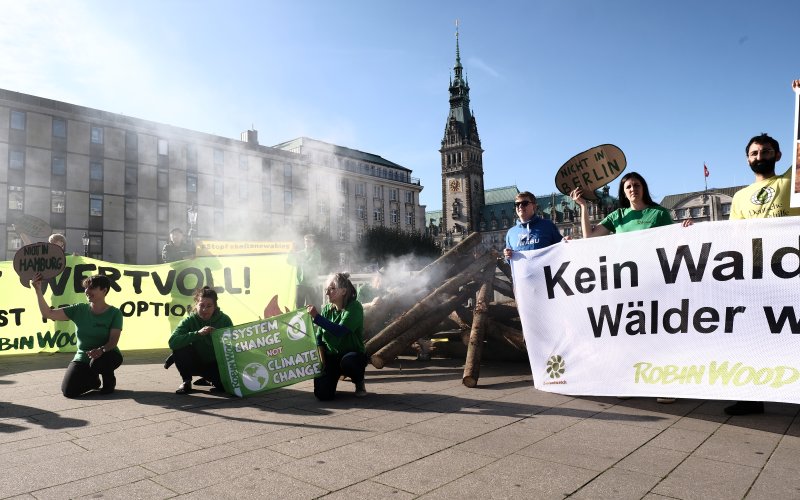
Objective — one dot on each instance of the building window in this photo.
(726, 209)
(191, 183)
(696, 212)
(163, 179)
(16, 159)
(410, 218)
(242, 162)
(163, 147)
(163, 212)
(287, 200)
(377, 215)
(287, 175)
(342, 209)
(377, 192)
(97, 135)
(14, 241)
(395, 216)
(96, 205)
(494, 224)
(343, 186)
(394, 194)
(96, 245)
(361, 212)
(410, 197)
(16, 198)
(219, 162)
(17, 120)
(58, 166)
(59, 128)
(131, 175)
(96, 171)
(219, 189)
(130, 209)
(361, 189)
(58, 201)
(243, 190)
(342, 233)
(567, 231)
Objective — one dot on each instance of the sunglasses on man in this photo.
(523, 203)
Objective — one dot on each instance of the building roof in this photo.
(672, 200)
(501, 195)
(300, 143)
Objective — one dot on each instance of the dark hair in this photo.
(97, 281)
(526, 194)
(763, 140)
(342, 280)
(624, 202)
(205, 293)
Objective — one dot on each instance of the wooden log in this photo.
(504, 311)
(417, 330)
(510, 335)
(427, 305)
(472, 365)
(505, 268)
(503, 287)
(438, 269)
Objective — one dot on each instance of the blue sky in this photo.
(674, 84)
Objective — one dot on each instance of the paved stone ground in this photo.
(419, 434)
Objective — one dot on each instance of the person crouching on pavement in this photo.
(191, 343)
(340, 335)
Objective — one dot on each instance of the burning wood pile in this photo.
(433, 301)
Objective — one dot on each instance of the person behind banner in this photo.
(637, 211)
(532, 232)
(191, 343)
(98, 328)
(177, 248)
(767, 197)
(340, 337)
(309, 263)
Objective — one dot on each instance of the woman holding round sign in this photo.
(340, 337)
(191, 343)
(99, 326)
(637, 211)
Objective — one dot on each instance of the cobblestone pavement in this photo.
(419, 434)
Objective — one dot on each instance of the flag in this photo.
(705, 170)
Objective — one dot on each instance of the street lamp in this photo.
(191, 212)
(85, 244)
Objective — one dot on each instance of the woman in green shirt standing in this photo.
(99, 326)
(637, 211)
(341, 338)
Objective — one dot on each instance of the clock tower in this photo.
(462, 160)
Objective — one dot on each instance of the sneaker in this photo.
(745, 408)
(361, 389)
(109, 383)
(665, 401)
(184, 388)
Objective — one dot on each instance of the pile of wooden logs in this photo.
(434, 301)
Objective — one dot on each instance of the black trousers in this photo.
(189, 365)
(351, 364)
(307, 295)
(82, 377)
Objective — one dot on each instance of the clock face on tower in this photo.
(455, 185)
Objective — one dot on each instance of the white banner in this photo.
(709, 312)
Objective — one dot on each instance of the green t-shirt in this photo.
(352, 317)
(93, 330)
(625, 220)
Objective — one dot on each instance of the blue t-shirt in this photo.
(531, 235)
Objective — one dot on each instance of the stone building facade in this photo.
(126, 182)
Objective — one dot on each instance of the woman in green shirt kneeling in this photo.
(99, 326)
(340, 335)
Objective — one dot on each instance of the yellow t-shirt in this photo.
(767, 198)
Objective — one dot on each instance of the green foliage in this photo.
(381, 243)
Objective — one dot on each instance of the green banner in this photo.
(267, 354)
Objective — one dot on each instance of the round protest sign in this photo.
(31, 226)
(591, 170)
(45, 258)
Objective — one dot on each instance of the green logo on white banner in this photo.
(555, 366)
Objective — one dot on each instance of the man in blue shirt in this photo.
(532, 232)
